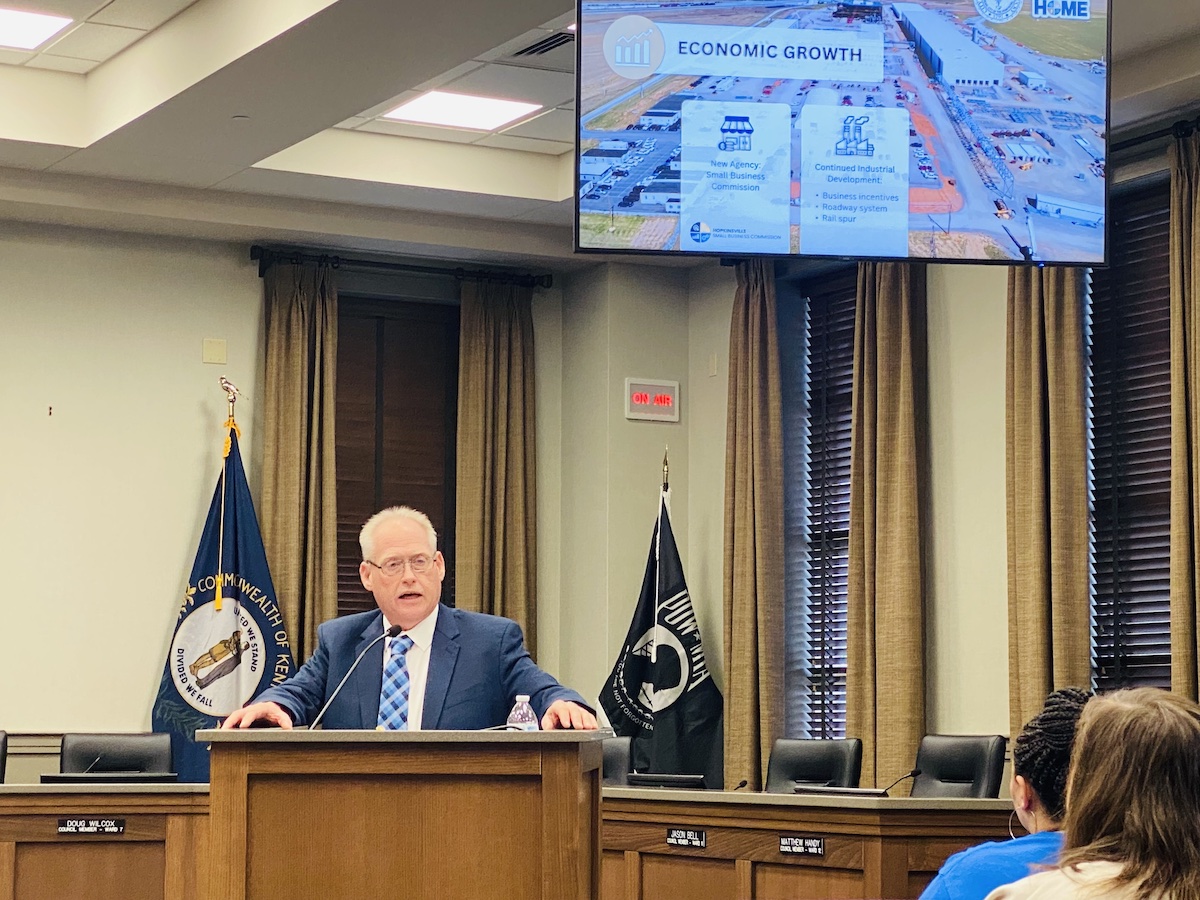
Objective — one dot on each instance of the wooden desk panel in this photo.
(160, 856)
(428, 814)
(872, 848)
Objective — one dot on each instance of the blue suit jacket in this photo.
(477, 666)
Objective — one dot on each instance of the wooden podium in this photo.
(445, 814)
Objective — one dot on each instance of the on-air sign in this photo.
(651, 400)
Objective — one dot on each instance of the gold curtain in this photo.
(496, 507)
(753, 573)
(1185, 412)
(299, 482)
(885, 642)
(1046, 495)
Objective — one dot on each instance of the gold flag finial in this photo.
(231, 394)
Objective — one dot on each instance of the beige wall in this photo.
(710, 307)
(619, 321)
(111, 453)
(967, 688)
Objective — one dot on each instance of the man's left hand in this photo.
(567, 714)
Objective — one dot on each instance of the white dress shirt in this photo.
(418, 663)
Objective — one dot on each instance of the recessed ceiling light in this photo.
(572, 27)
(461, 111)
(28, 30)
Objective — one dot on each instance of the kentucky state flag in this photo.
(660, 692)
(229, 641)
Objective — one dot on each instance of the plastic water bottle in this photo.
(522, 717)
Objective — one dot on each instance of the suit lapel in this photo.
(442, 656)
(367, 680)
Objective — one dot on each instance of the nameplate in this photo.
(91, 826)
(686, 837)
(801, 845)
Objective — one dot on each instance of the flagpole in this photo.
(231, 394)
(662, 501)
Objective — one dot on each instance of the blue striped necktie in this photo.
(393, 698)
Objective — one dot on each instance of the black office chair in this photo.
(833, 763)
(115, 753)
(616, 761)
(960, 765)
(3, 753)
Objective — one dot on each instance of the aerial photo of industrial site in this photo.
(939, 129)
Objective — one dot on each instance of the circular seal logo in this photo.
(217, 659)
(700, 232)
(673, 668)
(634, 47)
(999, 10)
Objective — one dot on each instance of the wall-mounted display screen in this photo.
(956, 130)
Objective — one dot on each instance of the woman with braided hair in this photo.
(1133, 813)
(1041, 757)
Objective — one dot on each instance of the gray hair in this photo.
(366, 537)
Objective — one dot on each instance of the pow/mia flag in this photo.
(229, 641)
(660, 692)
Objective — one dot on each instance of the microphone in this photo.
(92, 764)
(913, 774)
(741, 784)
(390, 633)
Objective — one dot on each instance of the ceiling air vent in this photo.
(546, 44)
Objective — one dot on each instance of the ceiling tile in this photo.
(516, 83)
(77, 10)
(529, 145)
(144, 14)
(24, 155)
(14, 57)
(555, 125)
(62, 63)
(560, 59)
(445, 78)
(404, 129)
(516, 44)
(96, 42)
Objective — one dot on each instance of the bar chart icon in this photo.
(634, 47)
(633, 50)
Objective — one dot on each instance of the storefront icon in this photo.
(735, 133)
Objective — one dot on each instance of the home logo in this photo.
(999, 10)
(700, 232)
(634, 47)
(1062, 9)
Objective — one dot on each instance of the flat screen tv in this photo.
(950, 130)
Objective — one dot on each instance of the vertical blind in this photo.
(1130, 448)
(816, 322)
(396, 419)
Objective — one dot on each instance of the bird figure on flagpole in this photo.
(229, 388)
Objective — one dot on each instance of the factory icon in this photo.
(853, 143)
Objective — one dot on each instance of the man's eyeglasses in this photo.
(419, 565)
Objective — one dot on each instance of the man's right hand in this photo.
(269, 713)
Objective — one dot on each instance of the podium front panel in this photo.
(431, 814)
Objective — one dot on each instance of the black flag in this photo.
(660, 692)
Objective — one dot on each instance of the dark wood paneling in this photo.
(397, 420)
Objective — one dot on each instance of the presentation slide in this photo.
(971, 130)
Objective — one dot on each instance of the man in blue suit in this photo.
(459, 670)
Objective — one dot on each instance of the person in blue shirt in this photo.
(1041, 757)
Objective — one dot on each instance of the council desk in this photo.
(63, 842)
